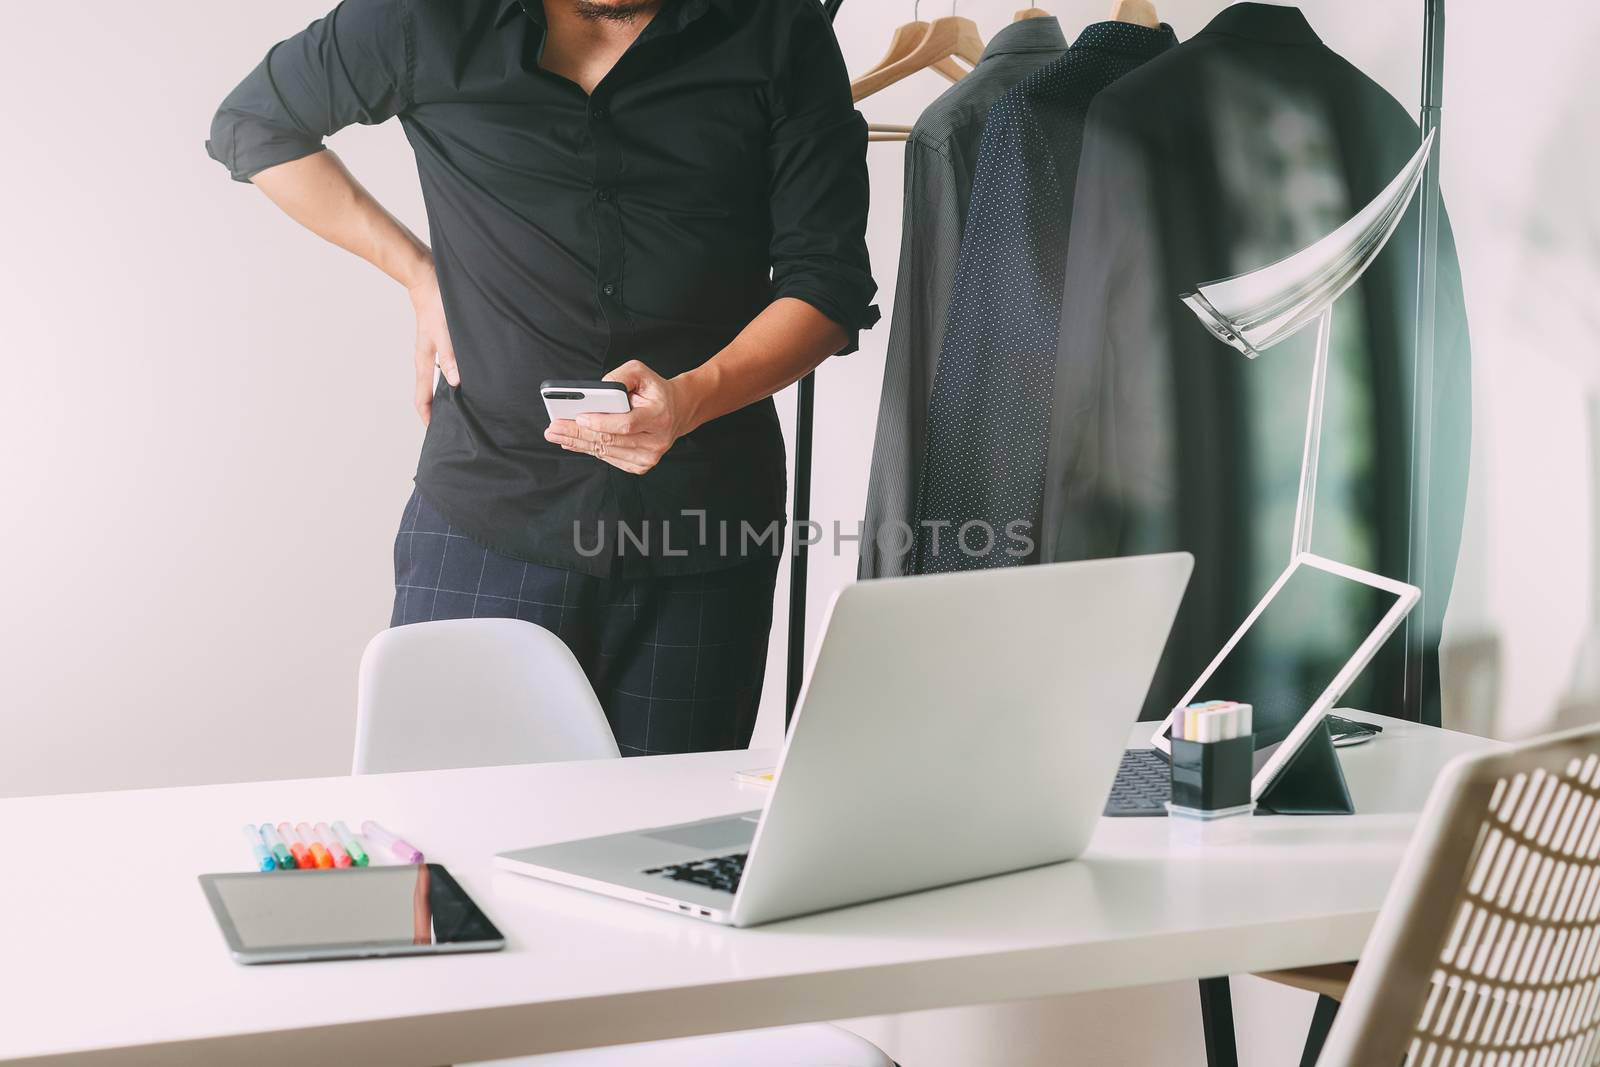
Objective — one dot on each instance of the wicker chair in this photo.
(1487, 951)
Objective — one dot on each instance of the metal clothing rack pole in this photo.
(1416, 703)
(804, 414)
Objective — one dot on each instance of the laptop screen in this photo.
(1295, 649)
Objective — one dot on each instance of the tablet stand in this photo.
(1312, 783)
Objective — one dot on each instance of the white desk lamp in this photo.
(1254, 311)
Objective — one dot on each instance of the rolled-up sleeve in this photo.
(353, 65)
(817, 162)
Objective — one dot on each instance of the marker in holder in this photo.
(1213, 762)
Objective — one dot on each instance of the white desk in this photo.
(110, 954)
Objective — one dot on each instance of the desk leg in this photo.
(1317, 1035)
(1216, 1016)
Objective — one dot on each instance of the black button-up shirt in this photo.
(720, 165)
(984, 461)
(941, 156)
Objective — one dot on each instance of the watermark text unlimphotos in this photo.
(669, 538)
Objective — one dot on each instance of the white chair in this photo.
(489, 692)
(1487, 950)
(474, 693)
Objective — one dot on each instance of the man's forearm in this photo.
(780, 346)
(324, 197)
(320, 194)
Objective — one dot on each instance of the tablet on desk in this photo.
(1308, 639)
(358, 912)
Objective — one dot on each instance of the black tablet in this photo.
(357, 912)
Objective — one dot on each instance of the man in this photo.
(669, 194)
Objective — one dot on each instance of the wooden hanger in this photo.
(1030, 13)
(1138, 12)
(945, 38)
(904, 42)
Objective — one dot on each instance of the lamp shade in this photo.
(1254, 311)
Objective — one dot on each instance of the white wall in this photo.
(210, 437)
(209, 440)
(199, 529)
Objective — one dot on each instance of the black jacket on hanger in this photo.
(1240, 146)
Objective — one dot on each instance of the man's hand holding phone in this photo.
(633, 440)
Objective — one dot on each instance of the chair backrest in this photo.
(1487, 950)
(474, 693)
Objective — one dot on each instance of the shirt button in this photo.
(609, 289)
(603, 194)
(599, 113)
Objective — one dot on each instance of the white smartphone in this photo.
(565, 399)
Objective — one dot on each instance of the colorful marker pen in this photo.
(1229, 728)
(384, 839)
(1193, 715)
(302, 854)
(258, 849)
(280, 851)
(319, 853)
(341, 858)
(358, 855)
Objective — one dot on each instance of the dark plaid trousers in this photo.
(676, 661)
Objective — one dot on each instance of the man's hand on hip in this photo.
(319, 193)
(635, 441)
(433, 342)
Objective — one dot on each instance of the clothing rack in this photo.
(804, 413)
(1428, 200)
(1421, 403)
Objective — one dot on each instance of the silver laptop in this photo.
(953, 727)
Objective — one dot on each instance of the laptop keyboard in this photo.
(714, 872)
(1143, 785)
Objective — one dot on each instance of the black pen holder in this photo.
(1212, 779)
